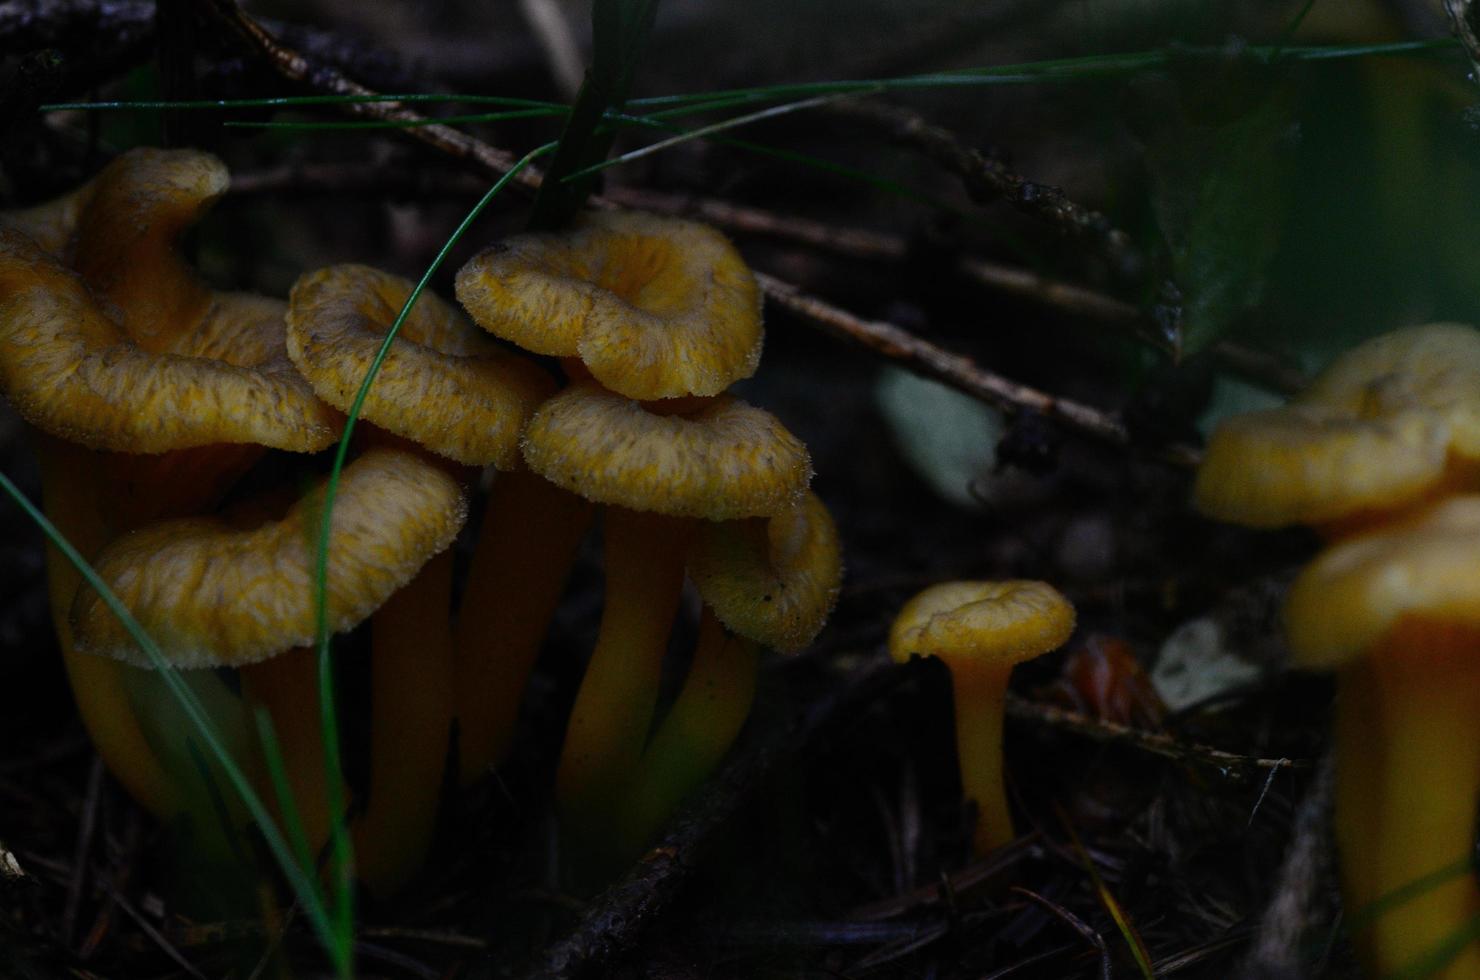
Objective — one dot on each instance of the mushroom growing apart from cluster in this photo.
(1389, 426)
(981, 630)
(1396, 614)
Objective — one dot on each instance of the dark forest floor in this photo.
(834, 844)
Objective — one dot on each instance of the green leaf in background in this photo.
(948, 438)
(1220, 192)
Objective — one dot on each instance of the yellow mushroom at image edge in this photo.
(980, 630)
(215, 594)
(1396, 615)
(117, 415)
(1391, 425)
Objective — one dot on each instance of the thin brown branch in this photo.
(988, 180)
(1156, 743)
(297, 68)
(1262, 368)
(955, 370)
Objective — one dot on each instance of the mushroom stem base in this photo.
(1418, 764)
(69, 488)
(699, 729)
(411, 722)
(288, 687)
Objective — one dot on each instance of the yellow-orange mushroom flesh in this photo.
(981, 630)
(1396, 614)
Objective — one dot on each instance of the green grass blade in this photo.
(620, 30)
(1436, 959)
(1118, 915)
(340, 851)
(1052, 70)
(1406, 893)
(303, 886)
(722, 126)
(272, 753)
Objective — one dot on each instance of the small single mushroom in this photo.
(653, 307)
(1396, 614)
(1389, 426)
(213, 594)
(655, 472)
(981, 630)
(444, 385)
(765, 582)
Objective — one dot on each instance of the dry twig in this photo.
(990, 180)
(295, 67)
(1157, 743)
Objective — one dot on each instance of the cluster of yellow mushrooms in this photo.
(1382, 455)
(151, 395)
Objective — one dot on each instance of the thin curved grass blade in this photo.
(337, 944)
(341, 857)
(619, 32)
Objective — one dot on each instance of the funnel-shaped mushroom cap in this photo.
(724, 461)
(1308, 464)
(443, 384)
(1353, 594)
(70, 370)
(773, 580)
(211, 594)
(654, 307)
(1389, 422)
(1434, 368)
(989, 623)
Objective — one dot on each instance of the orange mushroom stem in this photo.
(526, 546)
(1397, 615)
(609, 722)
(694, 736)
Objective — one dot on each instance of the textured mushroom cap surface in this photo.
(70, 370)
(1434, 368)
(443, 383)
(773, 580)
(654, 307)
(724, 461)
(211, 594)
(990, 623)
(1305, 464)
(126, 241)
(1344, 602)
(1381, 426)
